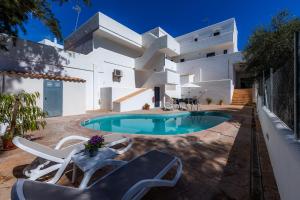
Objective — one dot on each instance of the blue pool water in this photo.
(157, 124)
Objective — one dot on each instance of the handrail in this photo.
(124, 98)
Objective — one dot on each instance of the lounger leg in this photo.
(35, 174)
(74, 173)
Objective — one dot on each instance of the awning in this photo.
(41, 76)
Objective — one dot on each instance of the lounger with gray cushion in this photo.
(129, 181)
(57, 158)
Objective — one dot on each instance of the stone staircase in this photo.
(242, 97)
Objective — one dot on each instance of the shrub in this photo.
(221, 102)
(208, 100)
(21, 113)
(146, 106)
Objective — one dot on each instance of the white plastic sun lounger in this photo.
(183, 106)
(50, 160)
(129, 181)
(168, 106)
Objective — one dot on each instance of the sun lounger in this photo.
(50, 160)
(183, 106)
(129, 181)
(168, 106)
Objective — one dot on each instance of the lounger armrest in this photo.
(17, 190)
(156, 182)
(70, 138)
(119, 140)
(122, 150)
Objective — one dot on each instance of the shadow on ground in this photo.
(216, 163)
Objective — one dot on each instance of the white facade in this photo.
(116, 61)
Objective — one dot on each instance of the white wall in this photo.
(110, 94)
(103, 23)
(206, 39)
(192, 46)
(212, 68)
(73, 103)
(135, 102)
(15, 85)
(109, 24)
(189, 78)
(284, 152)
(73, 93)
(173, 91)
(216, 90)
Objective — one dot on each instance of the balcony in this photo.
(192, 46)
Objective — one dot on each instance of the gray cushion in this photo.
(113, 186)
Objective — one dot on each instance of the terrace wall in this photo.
(284, 152)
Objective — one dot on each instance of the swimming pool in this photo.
(157, 124)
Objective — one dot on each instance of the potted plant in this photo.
(92, 146)
(221, 102)
(21, 114)
(208, 100)
(146, 106)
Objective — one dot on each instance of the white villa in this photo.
(106, 65)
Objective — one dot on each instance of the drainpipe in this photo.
(297, 85)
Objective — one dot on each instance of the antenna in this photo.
(77, 8)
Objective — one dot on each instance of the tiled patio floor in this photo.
(216, 161)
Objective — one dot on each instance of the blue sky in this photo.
(177, 17)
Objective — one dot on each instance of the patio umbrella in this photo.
(190, 86)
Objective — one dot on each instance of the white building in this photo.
(106, 65)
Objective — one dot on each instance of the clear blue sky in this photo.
(177, 17)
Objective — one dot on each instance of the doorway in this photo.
(157, 97)
(53, 98)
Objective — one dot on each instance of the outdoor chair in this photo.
(183, 106)
(49, 159)
(131, 180)
(168, 106)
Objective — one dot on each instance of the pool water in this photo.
(157, 124)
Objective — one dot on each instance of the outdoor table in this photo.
(87, 164)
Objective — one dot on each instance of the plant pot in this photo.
(91, 153)
(8, 144)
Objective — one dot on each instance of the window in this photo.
(225, 51)
(216, 33)
(182, 60)
(211, 54)
(195, 39)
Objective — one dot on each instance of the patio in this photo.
(216, 162)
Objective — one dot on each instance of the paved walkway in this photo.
(216, 161)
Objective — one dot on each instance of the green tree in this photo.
(15, 13)
(272, 46)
